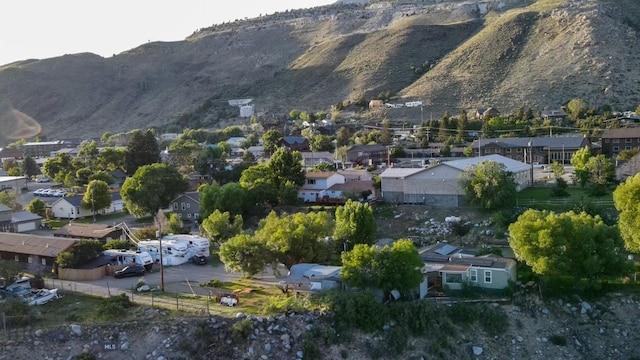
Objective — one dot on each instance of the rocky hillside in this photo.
(451, 55)
(570, 328)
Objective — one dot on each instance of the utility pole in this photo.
(159, 236)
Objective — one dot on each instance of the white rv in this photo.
(196, 245)
(125, 257)
(174, 252)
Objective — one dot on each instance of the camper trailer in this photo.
(125, 257)
(174, 252)
(196, 245)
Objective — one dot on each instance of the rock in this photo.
(125, 346)
(477, 350)
(240, 315)
(584, 307)
(300, 354)
(267, 347)
(76, 330)
(545, 311)
(519, 338)
(39, 332)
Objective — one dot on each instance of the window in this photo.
(519, 150)
(453, 278)
(311, 181)
(616, 141)
(606, 141)
(183, 206)
(616, 149)
(43, 262)
(487, 276)
(627, 140)
(16, 258)
(189, 216)
(508, 151)
(188, 205)
(473, 275)
(30, 259)
(627, 148)
(175, 206)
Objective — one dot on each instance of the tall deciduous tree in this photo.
(29, 167)
(37, 206)
(220, 226)
(577, 245)
(286, 166)
(626, 198)
(355, 224)
(97, 196)
(296, 238)
(230, 198)
(580, 161)
(395, 267)
(488, 184)
(246, 254)
(151, 188)
(142, 149)
(271, 140)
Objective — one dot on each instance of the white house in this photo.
(438, 185)
(69, 207)
(313, 158)
(317, 183)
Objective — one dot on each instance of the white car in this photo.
(39, 192)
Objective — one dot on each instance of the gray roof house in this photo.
(187, 206)
(447, 268)
(313, 277)
(438, 185)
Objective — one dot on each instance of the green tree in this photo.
(142, 149)
(246, 254)
(175, 225)
(261, 189)
(577, 245)
(577, 108)
(102, 175)
(286, 166)
(557, 169)
(296, 238)
(58, 168)
(271, 141)
(37, 206)
(88, 153)
(111, 159)
(117, 244)
(10, 270)
(80, 253)
(97, 196)
(580, 161)
(151, 188)
(395, 267)
(29, 167)
(355, 224)
(488, 184)
(10, 200)
(626, 199)
(219, 226)
(321, 143)
(230, 198)
(343, 137)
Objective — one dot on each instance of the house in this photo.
(17, 222)
(33, 250)
(316, 185)
(187, 206)
(542, 150)
(69, 207)
(356, 190)
(554, 115)
(45, 148)
(13, 183)
(100, 232)
(10, 154)
(118, 178)
(313, 277)
(195, 180)
(367, 155)
(311, 159)
(355, 175)
(448, 268)
(626, 169)
(257, 151)
(486, 113)
(295, 143)
(438, 185)
(615, 141)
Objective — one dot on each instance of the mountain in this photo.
(449, 54)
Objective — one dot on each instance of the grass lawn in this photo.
(577, 195)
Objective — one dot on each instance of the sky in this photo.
(39, 29)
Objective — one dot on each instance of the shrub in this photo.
(493, 320)
(241, 330)
(18, 312)
(214, 283)
(113, 307)
(310, 349)
(558, 340)
(280, 304)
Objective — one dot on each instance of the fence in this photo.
(562, 202)
(24, 327)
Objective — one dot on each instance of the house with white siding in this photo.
(317, 183)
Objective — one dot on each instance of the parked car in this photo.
(58, 193)
(47, 192)
(199, 259)
(43, 180)
(39, 192)
(131, 270)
